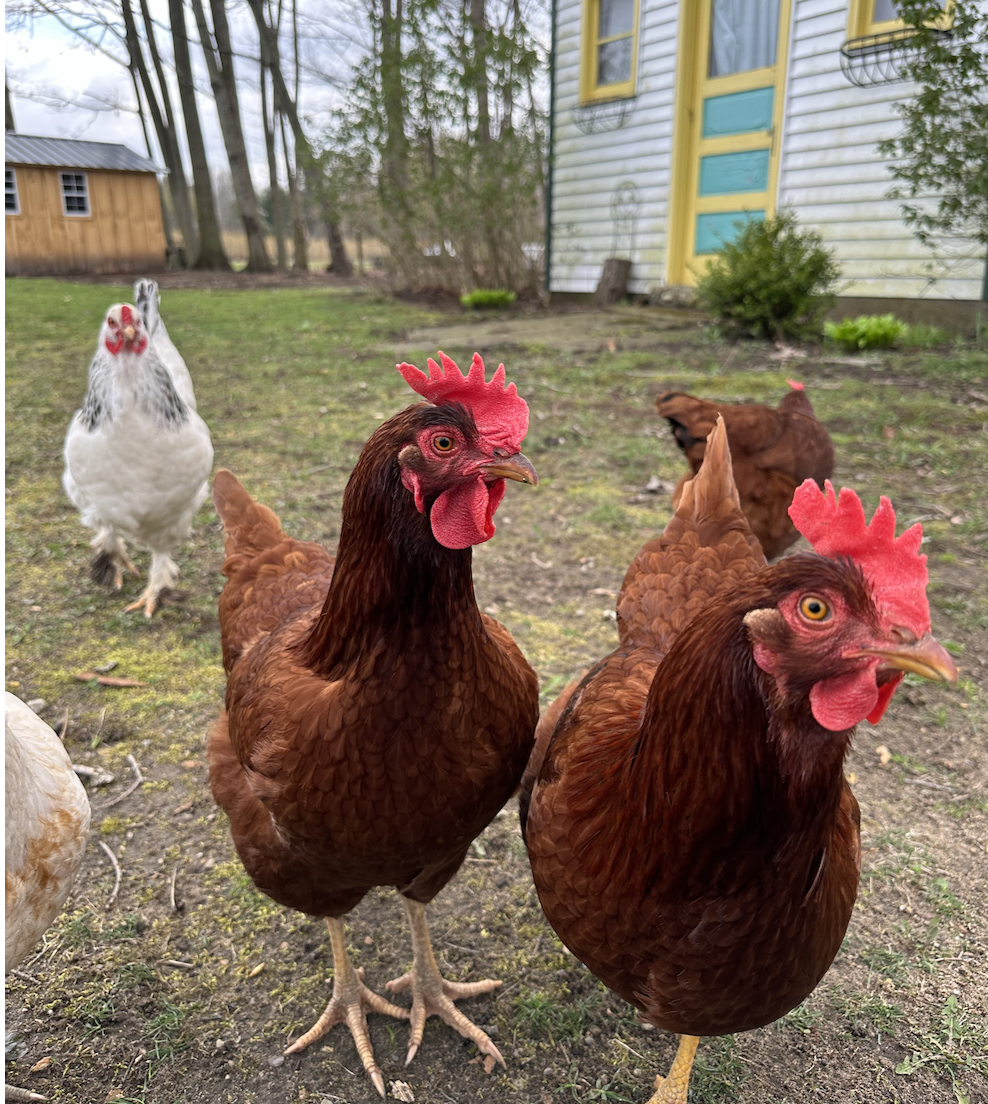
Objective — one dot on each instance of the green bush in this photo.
(774, 280)
(867, 331)
(488, 298)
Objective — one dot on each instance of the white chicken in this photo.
(137, 456)
(46, 819)
(147, 299)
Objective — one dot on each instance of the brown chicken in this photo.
(691, 834)
(773, 451)
(376, 720)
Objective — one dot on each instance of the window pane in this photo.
(884, 10)
(614, 61)
(616, 17)
(9, 191)
(743, 35)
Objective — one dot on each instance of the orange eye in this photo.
(814, 609)
(442, 443)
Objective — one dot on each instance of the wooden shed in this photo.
(76, 207)
(673, 119)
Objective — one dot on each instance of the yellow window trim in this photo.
(590, 90)
(860, 23)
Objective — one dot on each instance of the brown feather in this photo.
(692, 837)
(773, 452)
(376, 720)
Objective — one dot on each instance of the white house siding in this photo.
(832, 176)
(610, 192)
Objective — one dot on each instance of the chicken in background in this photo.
(773, 452)
(691, 833)
(137, 457)
(147, 299)
(46, 823)
(376, 720)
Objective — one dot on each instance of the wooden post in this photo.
(613, 284)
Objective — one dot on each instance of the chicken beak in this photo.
(517, 467)
(927, 658)
(129, 333)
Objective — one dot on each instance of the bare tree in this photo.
(211, 254)
(339, 262)
(275, 192)
(164, 129)
(219, 63)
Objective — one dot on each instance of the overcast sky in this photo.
(56, 79)
(58, 82)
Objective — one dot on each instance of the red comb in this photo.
(498, 410)
(836, 526)
(126, 314)
(796, 386)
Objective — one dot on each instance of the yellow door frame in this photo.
(691, 66)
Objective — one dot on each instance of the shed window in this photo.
(610, 36)
(75, 194)
(11, 202)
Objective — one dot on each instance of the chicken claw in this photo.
(672, 1088)
(350, 1003)
(432, 995)
(148, 602)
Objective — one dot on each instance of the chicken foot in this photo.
(350, 1003)
(111, 560)
(433, 995)
(672, 1088)
(164, 572)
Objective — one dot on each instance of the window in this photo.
(11, 202)
(873, 17)
(75, 194)
(610, 38)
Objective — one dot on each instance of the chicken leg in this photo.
(164, 572)
(432, 995)
(351, 1001)
(110, 560)
(672, 1088)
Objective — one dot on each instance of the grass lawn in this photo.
(193, 1001)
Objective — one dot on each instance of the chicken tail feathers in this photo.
(713, 485)
(250, 526)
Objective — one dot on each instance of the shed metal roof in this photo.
(69, 153)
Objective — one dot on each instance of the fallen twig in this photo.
(106, 680)
(116, 871)
(65, 726)
(171, 890)
(133, 786)
(927, 782)
(178, 964)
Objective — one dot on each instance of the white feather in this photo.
(46, 818)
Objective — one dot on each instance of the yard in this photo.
(188, 986)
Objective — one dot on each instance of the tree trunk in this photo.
(277, 198)
(211, 252)
(299, 231)
(180, 189)
(8, 115)
(219, 63)
(176, 177)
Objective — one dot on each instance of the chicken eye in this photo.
(442, 443)
(814, 609)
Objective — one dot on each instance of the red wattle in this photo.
(463, 515)
(884, 697)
